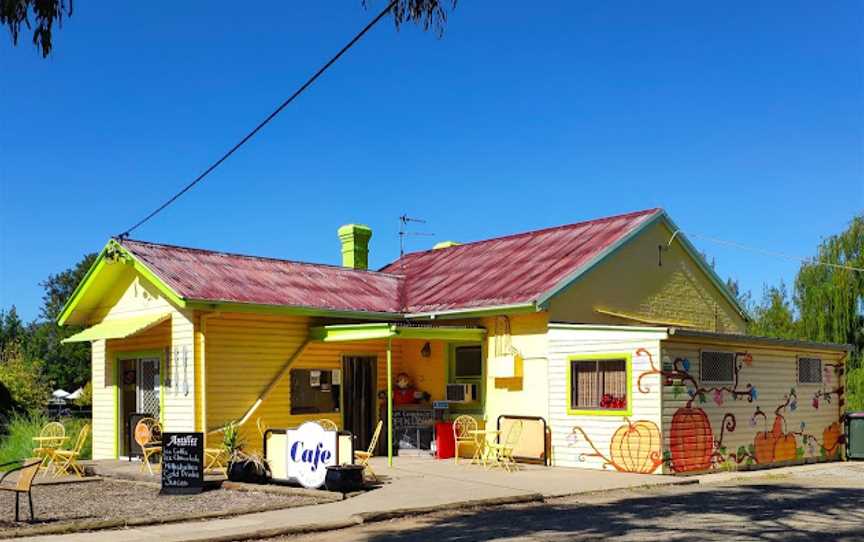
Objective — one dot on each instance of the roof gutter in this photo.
(513, 308)
(765, 341)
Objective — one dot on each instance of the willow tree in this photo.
(830, 300)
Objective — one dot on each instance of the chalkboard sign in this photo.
(412, 418)
(413, 428)
(182, 463)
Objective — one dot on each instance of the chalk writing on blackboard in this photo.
(182, 463)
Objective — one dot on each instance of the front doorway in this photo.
(139, 397)
(359, 413)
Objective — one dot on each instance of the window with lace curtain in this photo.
(598, 385)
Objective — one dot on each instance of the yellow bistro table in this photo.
(47, 446)
(481, 440)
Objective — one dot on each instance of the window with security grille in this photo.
(717, 367)
(809, 371)
(598, 384)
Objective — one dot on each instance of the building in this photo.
(614, 331)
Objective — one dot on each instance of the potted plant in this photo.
(243, 466)
(344, 478)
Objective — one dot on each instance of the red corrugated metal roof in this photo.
(507, 270)
(204, 275)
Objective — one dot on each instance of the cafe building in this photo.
(612, 336)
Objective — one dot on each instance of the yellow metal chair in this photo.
(462, 435)
(66, 461)
(362, 458)
(148, 435)
(51, 437)
(502, 452)
(216, 459)
(328, 425)
(26, 473)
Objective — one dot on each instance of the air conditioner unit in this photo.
(460, 393)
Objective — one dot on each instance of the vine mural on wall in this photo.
(692, 443)
(692, 446)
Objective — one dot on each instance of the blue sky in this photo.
(744, 121)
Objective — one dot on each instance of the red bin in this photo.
(444, 443)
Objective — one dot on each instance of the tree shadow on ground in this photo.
(751, 512)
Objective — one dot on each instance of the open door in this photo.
(359, 404)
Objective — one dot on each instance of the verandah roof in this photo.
(118, 329)
(365, 332)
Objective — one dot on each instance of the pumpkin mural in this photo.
(786, 448)
(635, 447)
(831, 440)
(691, 441)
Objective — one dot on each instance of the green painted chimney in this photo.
(355, 245)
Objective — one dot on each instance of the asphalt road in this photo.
(827, 504)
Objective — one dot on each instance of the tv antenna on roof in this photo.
(404, 221)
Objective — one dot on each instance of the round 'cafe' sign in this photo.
(310, 451)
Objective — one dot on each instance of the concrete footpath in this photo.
(414, 485)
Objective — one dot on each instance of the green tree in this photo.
(23, 378)
(65, 365)
(11, 327)
(16, 14)
(774, 315)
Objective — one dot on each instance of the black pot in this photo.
(344, 478)
(248, 472)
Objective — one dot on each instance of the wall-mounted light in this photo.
(426, 351)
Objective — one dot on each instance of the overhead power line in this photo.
(776, 254)
(264, 122)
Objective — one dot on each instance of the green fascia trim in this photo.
(628, 363)
(543, 300)
(100, 263)
(442, 334)
(281, 310)
(519, 308)
(610, 327)
(85, 283)
(349, 332)
(365, 332)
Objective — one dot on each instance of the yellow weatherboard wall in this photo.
(630, 287)
(427, 374)
(526, 393)
(243, 352)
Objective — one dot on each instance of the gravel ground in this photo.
(823, 504)
(122, 500)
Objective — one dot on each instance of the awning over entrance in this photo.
(366, 332)
(118, 329)
(390, 331)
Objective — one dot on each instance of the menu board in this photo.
(413, 427)
(182, 463)
(412, 418)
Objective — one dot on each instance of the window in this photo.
(467, 368)
(314, 391)
(599, 385)
(809, 371)
(718, 367)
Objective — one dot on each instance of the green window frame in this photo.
(476, 406)
(600, 358)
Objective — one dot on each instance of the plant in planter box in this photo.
(242, 466)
